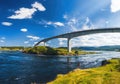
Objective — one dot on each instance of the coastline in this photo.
(105, 74)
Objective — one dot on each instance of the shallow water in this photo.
(20, 68)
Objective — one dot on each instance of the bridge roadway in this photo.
(71, 35)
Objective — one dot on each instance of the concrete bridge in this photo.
(71, 35)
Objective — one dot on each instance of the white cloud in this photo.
(74, 20)
(72, 23)
(76, 24)
(65, 16)
(58, 24)
(2, 41)
(86, 26)
(27, 13)
(23, 30)
(38, 6)
(23, 13)
(87, 20)
(42, 43)
(6, 23)
(50, 23)
(62, 41)
(26, 42)
(115, 5)
(33, 37)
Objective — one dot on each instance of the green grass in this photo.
(54, 51)
(108, 74)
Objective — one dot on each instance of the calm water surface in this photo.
(20, 68)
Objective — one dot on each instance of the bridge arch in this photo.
(71, 35)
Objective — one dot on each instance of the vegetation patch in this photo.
(42, 50)
(108, 74)
(12, 48)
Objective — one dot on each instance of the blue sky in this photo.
(25, 22)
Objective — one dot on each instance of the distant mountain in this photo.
(107, 48)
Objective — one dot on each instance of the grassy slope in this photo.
(108, 74)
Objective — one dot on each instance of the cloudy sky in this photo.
(25, 22)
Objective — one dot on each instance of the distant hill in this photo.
(107, 48)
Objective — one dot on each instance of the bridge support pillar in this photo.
(44, 43)
(69, 45)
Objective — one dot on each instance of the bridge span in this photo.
(71, 35)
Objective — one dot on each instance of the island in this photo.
(45, 50)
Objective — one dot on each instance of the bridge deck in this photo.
(81, 33)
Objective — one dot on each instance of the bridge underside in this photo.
(71, 35)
